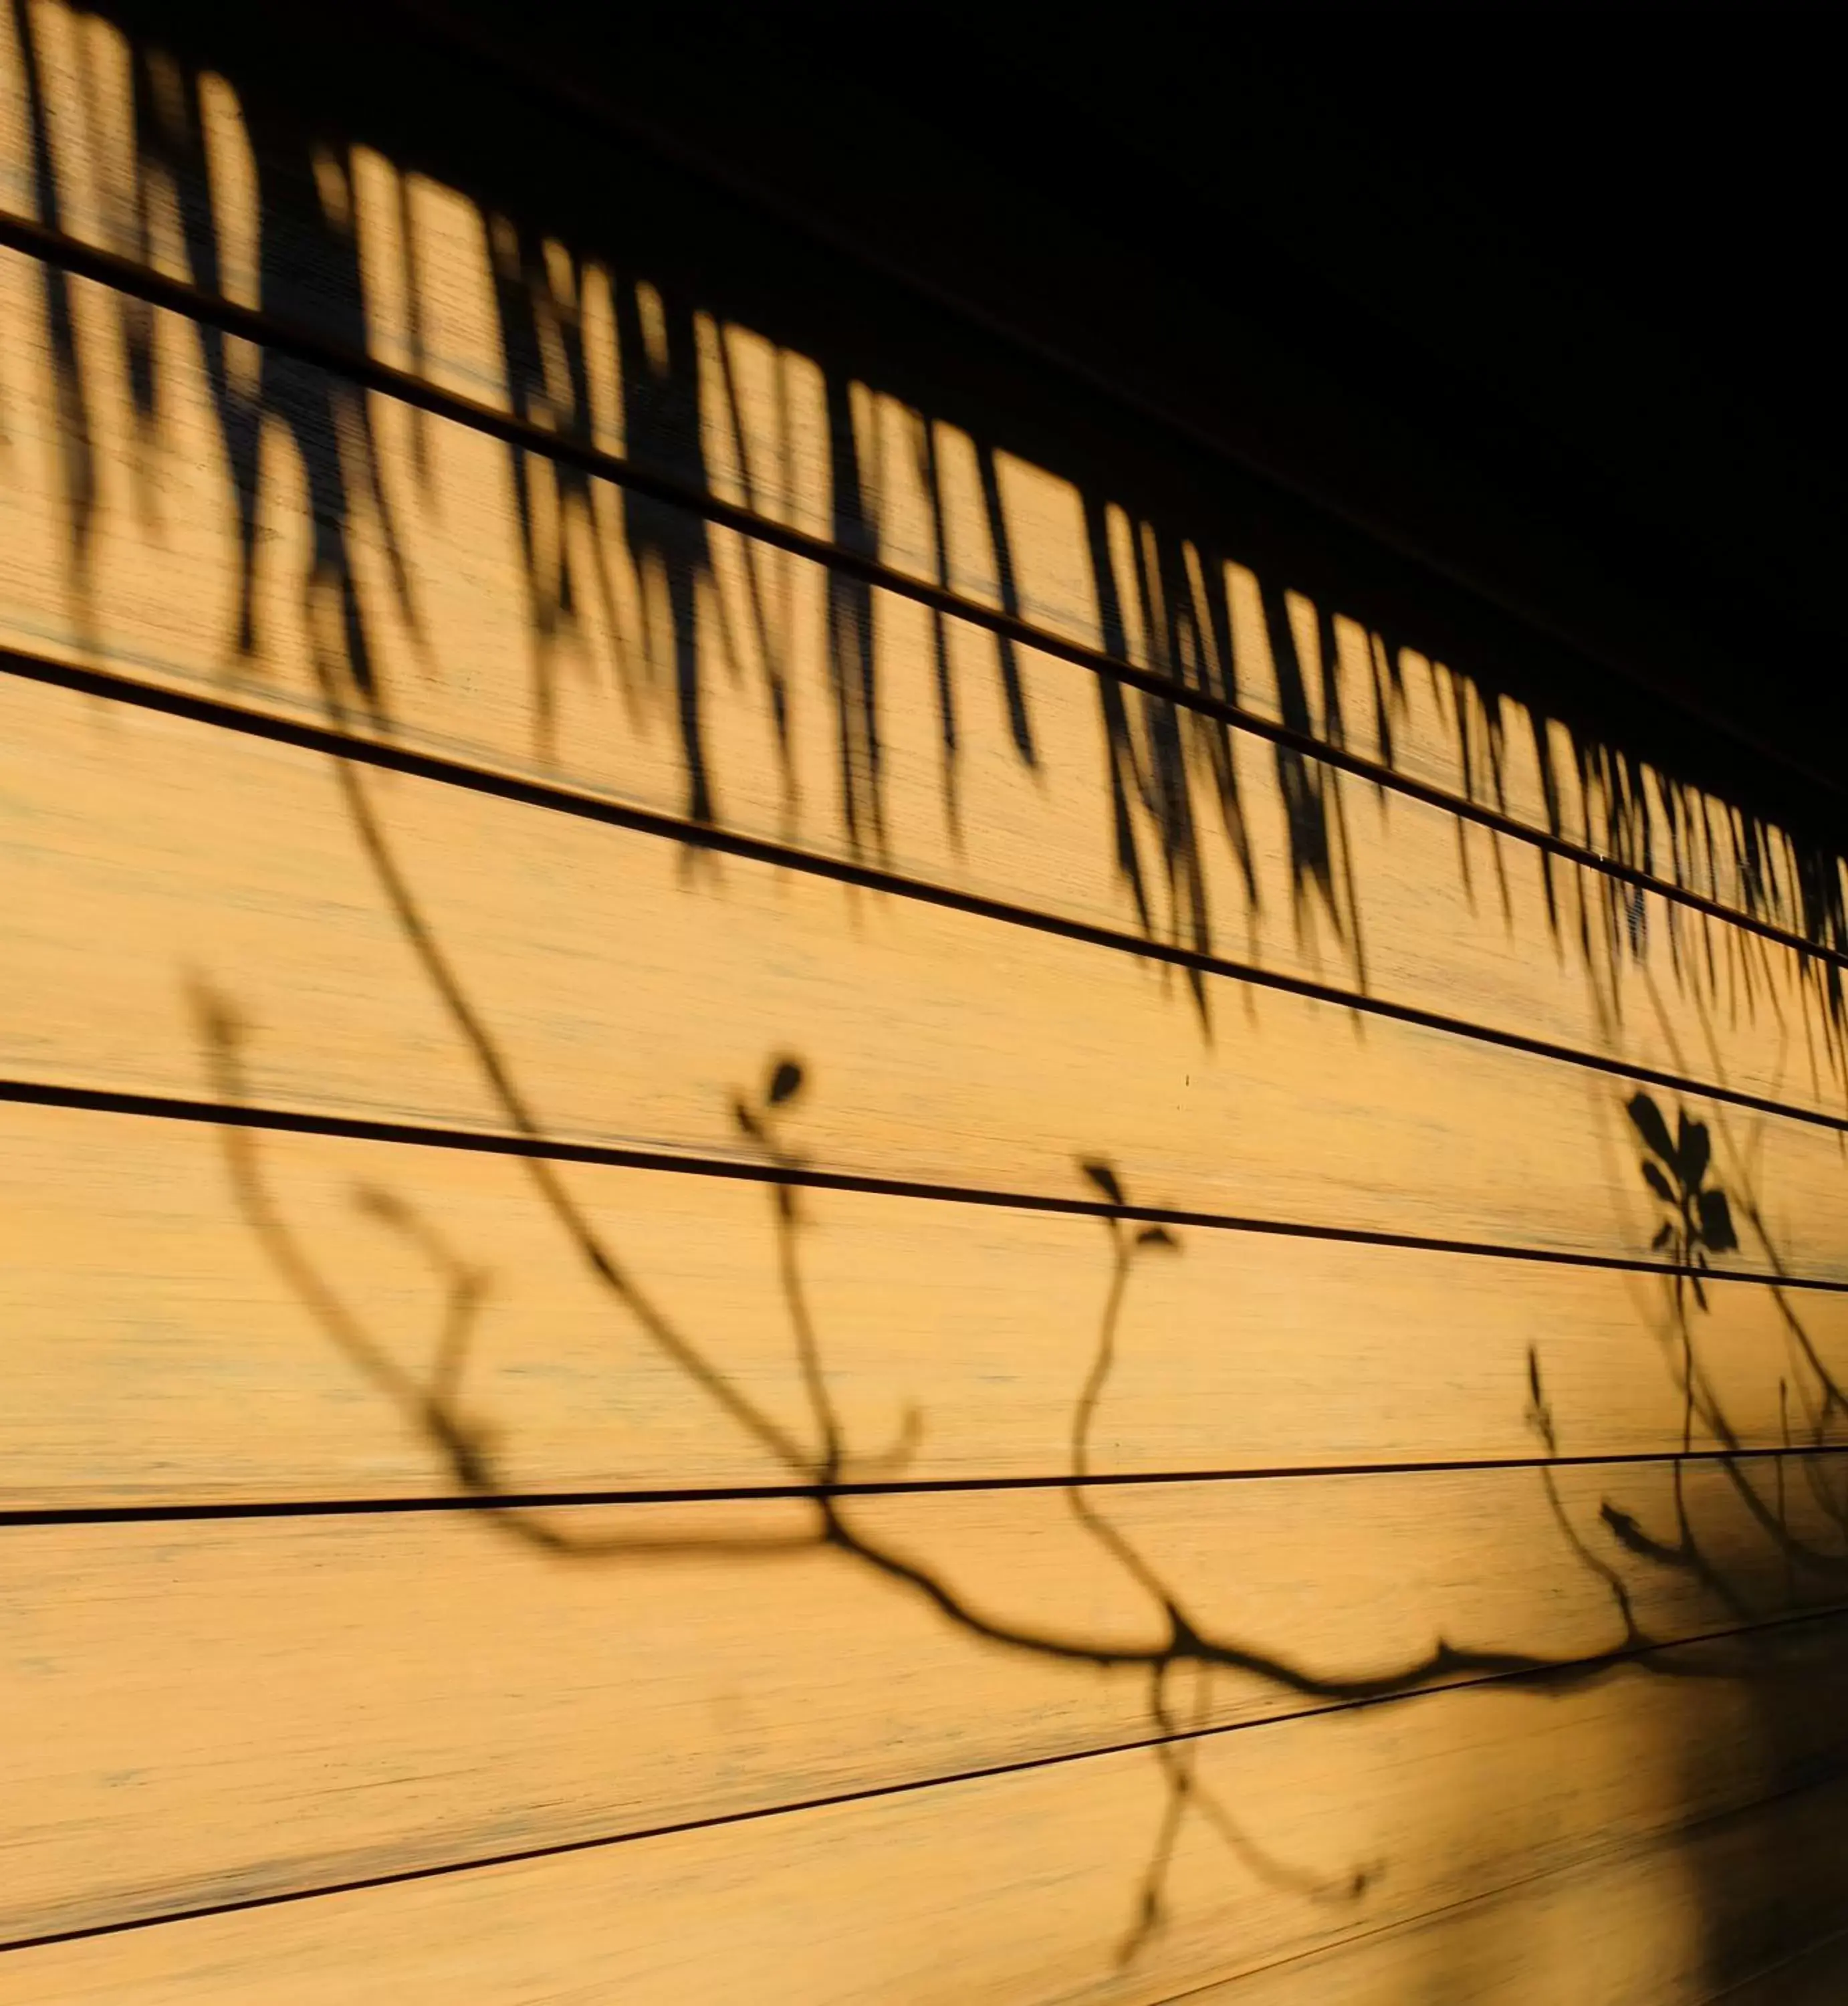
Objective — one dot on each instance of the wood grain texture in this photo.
(1711, 1915)
(1104, 1742)
(1813, 1977)
(1430, 1803)
(331, 233)
(1315, 876)
(407, 949)
(192, 1317)
(312, 1703)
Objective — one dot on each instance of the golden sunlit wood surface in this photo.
(721, 1284)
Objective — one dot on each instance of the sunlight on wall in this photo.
(1222, 1150)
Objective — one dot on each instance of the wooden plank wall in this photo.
(793, 1213)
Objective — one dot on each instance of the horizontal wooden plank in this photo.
(308, 1703)
(1673, 1924)
(1816, 1976)
(1330, 1825)
(1316, 877)
(400, 948)
(242, 1320)
(342, 241)
(193, 1317)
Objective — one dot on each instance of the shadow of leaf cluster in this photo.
(1173, 791)
(1171, 776)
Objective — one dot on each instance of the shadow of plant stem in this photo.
(1153, 770)
(1701, 1223)
(1166, 767)
(309, 271)
(824, 1463)
(1824, 1400)
(1177, 1747)
(1698, 1223)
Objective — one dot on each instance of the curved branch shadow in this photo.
(1169, 772)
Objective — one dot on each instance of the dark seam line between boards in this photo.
(32, 240)
(1764, 1971)
(1679, 1834)
(489, 1502)
(326, 741)
(225, 1114)
(1313, 749)
(1552, 1674)
(553, 93)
